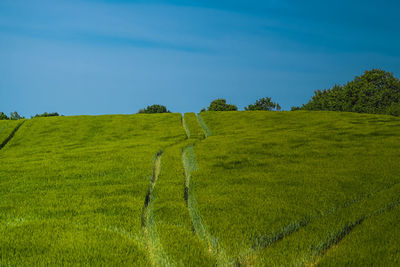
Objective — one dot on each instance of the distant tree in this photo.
(295, 108)
(203, 110)
(54, 114)
(155, 109)
(3, 116)
(264, 104)
(221, 105)
(376, 91)
(15, 116)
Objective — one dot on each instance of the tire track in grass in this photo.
(5, 142)
(200, 229)
(189, 165)
(264, 241)
(210, 242)
(156, 253)
(207, 131)
(334, 239)
(187, 130)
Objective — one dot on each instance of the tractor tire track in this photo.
(190, 165)
(185, 126)
(263, 242)
(199, 228)
(335, 239)
(156, 252)
(5, 142)
(207, 131)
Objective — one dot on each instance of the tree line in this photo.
(220, 104)
(376, 91)
(15, 116)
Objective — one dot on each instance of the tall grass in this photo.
(266, 188)
(72, 188)
(264, 176)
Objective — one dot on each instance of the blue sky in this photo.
(112, 57)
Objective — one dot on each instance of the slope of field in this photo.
(72, 189)
(265, 178)
(215, 189)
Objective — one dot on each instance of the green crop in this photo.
(216, 189)
(263, 176)
(73, 188)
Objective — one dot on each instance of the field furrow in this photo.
(263, 242)
(154, 247)
(6, 132)
(375, 241)
(207, 131)
(309, 244)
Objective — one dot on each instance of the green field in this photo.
(215, 189)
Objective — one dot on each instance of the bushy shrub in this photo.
(264, 103)
(221, 105)
(3, 116)
(15, 116)
(54, 114)
(155, 109)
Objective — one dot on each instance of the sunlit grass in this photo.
(72, 188)
(265, 175)
(251, 188)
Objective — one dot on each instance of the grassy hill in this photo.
(222, 188)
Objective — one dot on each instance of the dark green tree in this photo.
(376, 91)
(221, 105)
(15, 116)
(3, 116)
(53, 114)
(154, 109)
(264, 103)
